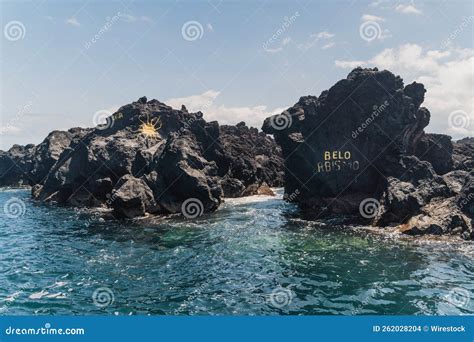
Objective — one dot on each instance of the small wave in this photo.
(11, 298)
(59, 284)
(250, 199)
(15, 188)
(441, 242)
(46, 294)
(256, 198)
(39, 295)
(58, 295)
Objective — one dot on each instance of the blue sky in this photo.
(62, 62)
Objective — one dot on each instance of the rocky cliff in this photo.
(360, 150)
(29, 165)
(147, 158)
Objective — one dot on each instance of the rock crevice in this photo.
(359, 149)
(147, 158)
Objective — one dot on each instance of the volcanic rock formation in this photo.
(29, 165)
(147, 158)
(360, 149)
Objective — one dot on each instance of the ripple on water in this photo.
(252, 256)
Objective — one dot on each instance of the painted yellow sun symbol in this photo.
(149, 127)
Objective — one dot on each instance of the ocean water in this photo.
(251, 257)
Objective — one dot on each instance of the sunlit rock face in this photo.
(29, 165)
(363, 139)
(340, 141)
(147, 158)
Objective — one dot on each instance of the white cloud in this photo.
(73, 21)
(370, 17)
(9, 130)
(448, 77)
(378, 3)
(407, 9)
(371, 29)
(206, 103)
(284, 42)
(210, 27)
(328, 46)
(322, 35)
(314, 38)
(195, 103)
(436, 54)
(349, 64)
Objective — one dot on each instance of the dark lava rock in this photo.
(183, 173)
(232, 187)
(16, 164)
(360, 149)
(465, 197)
(327, 144)
(437, 149)
(463, 154)
(146, 158)
(245, 158)
(29, 165)
(437, 218)
(262, 189)
(132, 197)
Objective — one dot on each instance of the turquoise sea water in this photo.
(251, 257)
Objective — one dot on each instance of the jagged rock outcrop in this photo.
(15, 165)
(29, 165)
(437, 149)
(465, 197)
(147, 158)
(463, 154)
(360, 149)
(131, 197)
(246, 158)
(183, 173)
